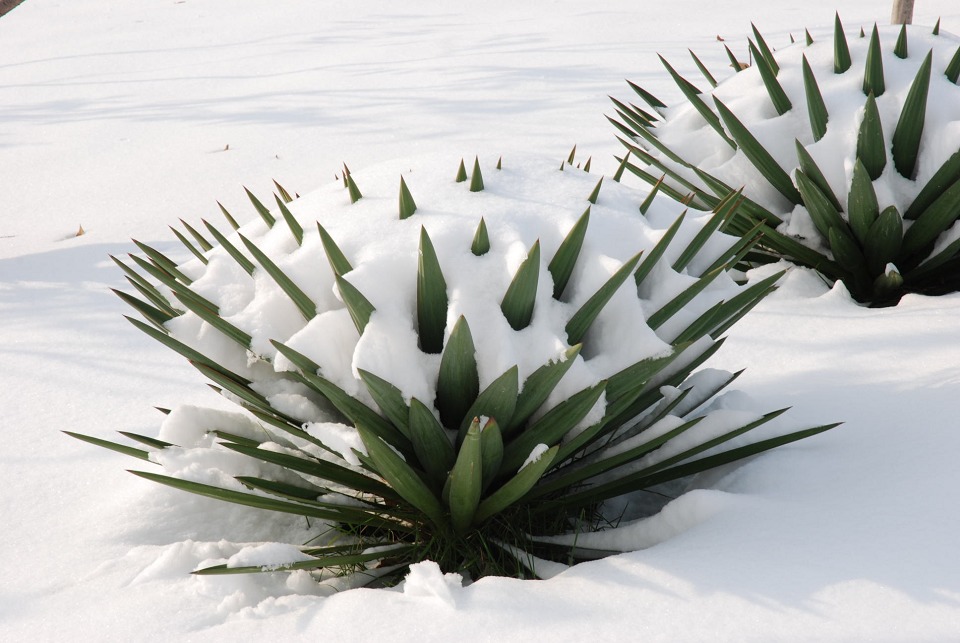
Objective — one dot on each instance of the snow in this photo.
(117, 117)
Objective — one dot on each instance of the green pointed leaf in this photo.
(431, 297)
(764, 50)
(657, 252)
(163, 263)
(189, 246)
(461, 173)
(648, 200)
(777, 96)
(900, 49)
(407, 205)
(596, 192)
(201, 241)
(952, 71)
(458, 383)
(143, 439)
(750, 208)
(943, 178)
(304, 304)
(476, 179)
(758, 155)
(430, 442)
(808, 37)
(816, 108)
(812, 172)
(261, 209)
(581, 321)
(619, 173)
(178, 346)
(693, 95)
(283, 192)
(518, 302)
(401, 477)
(736, 64)
(481, 240)
(152, 314)
(564, 260)
(112, 446)
(871, 149)
(936, 28)
(939, 216)
(862, 206)
(672, 307)
(231, 249)
(354, 191)
(491, 450)
(338, 262)
(202, 309)
(627, 382)
(822, 212)
(500, 163)
(647, 97)
(295, 228)
(883, 240)
(703, 70)
(850, 257)
(229, 217)
(539, 385)
(841, 52)
(724, 210)
(586, 166)
(572, 155)
(497, 401)
(906, 138)
(357, 305)
(389, 398)
(466, 480)
(873, 74)
(516, 488)
(717, 319)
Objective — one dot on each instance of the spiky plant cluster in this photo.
(859, 180)
(450, 377)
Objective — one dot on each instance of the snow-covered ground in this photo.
(125, 117)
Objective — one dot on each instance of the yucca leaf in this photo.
(749, 207)
(932, 264)
(628, 381)
(822, 212)
(652, 180)
(841, 52)
(241, 389)
(303, 302)
(812, 172)
(936, 28)
(758, 155)
(431, 297)
(850, 257)
(481, 240)
(748, 238)
(721, 213)
(430, 443)
(906, 138)
(572, 155)
(491, 450)
(112, 446)
(357, 305)
(862, 33)
(476, 179)
(647, 97)
(389, 398)
(645, 204)
(261, 209)
(189, 246)
(800, 253)
(466, 480)
(862, 206)
(551, 428)
(595, 193)
(672, 307)
(461, 173)
(516, 488)
(229, 217)
(401, 477)
(943, 178)
(499, 162)
(297, 493)
(873, 72)
(736, 64)
(338, 262)
(518, 302)
(283, 192)
(694, 191)
(407, 205)
(871, 149)
(769, 76)
(236, 439)
(564, 260)
(764, 50)
(900, 49)
(620, 168)
(209, 313)
(317, 468)
(152, 314)
(163, 263)
(816, 108)
(952, 72)
(883, 240)
(581, 321)
(328, 561)
(457, 383)
(743, 301)
(693, 95)
(231, 249)
(354, 191)
(144, 439)
(497, 401)
(538, 386)
(178, 346)
(657, 252)
(295, 228)
(939, 216)
(808, 38)
(201, 241)
(703, 70)
(586, 166)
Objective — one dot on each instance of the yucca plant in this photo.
(858, 180)
(453, 377)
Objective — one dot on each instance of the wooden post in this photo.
(902, 12)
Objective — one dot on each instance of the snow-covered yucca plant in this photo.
(454, 378)
(848, 151)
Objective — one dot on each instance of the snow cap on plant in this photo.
(847, 148)
(455, 369)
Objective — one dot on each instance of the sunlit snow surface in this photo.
(116, 117)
